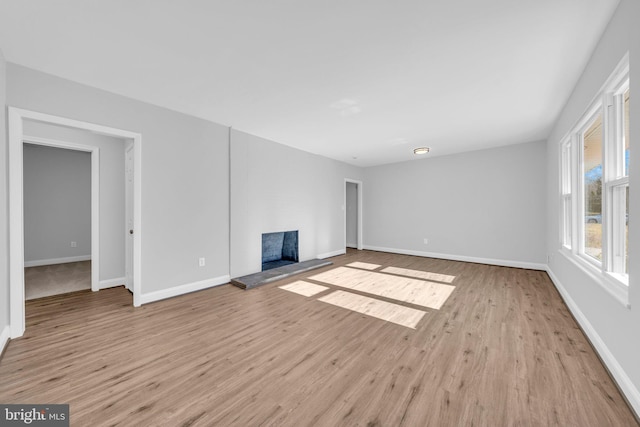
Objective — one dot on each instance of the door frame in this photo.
(95, 197)
(129, 203)
(16, 212)
(359, 227)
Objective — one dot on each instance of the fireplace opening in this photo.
(278, 249)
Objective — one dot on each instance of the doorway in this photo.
(353, 214)
(58, 217)
(16, 215)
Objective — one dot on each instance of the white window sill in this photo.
(615, 284)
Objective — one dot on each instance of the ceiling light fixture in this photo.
(421, 150)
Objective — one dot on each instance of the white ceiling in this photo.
(362, 81)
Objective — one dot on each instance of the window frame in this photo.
(610, 271)
(617, 180)
(596, 109)
(566, 193)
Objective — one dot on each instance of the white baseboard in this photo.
(52, 261)
(110, 283)
(5, 334)
(489, 261)
(183, 289)
(332, 254)
(630, 391)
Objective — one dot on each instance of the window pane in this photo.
(620, 229)
(626, 133)
(626, 234)
(566, 169)
(566, 240)
(566, 194)
(592, 155)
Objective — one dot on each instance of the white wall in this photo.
(4, 211)
(486, 205)
(277, 188)
(57, 203)
(185, 174)
(352, 214)
(613, 328)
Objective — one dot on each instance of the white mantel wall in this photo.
(278, 188)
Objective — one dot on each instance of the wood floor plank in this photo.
(503, 350)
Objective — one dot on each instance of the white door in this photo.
(129, 216)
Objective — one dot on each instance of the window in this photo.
(566, 191)
(594, 184)
(591, 147)
(618, 182)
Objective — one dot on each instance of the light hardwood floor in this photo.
(503, 350)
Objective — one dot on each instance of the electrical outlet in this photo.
(201, 262)
(74, 244)
(426, 241)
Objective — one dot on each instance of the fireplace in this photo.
(279, 248)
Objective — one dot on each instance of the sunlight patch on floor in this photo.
(364, 265)
(417, 287)
(413, 291)
(304, 288)
(394, 313)
(419, 274)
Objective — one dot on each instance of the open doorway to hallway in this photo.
(352, 214)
